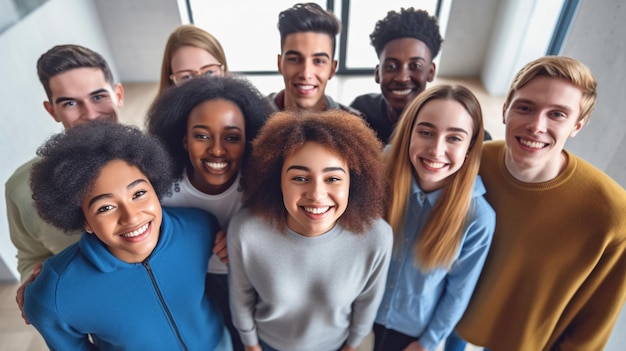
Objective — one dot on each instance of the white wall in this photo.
(597, 39)
(24, 123)
(136, 31)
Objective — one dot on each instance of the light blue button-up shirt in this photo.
(428, 305)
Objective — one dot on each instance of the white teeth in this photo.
(216, 165)
(316, 210)
(306, 87)
(402, 92)
(434, 164)
(532, 144)
(136, 232)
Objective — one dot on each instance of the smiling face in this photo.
(440, 139)
(215, 141)
(83, 94)
(123, 211)
(405, 68)
(539, 118)
(315, 183)
(306, 65)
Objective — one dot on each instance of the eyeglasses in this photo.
(211, 70)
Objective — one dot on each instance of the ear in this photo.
(279, 59)
(333, 69)
(504, 113)
(119, 93)
(376, 73)
(431, 71)
(185, 146)
(50, 108)
(577, 127)
(88, 228)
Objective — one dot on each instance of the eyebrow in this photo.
(202, 126)
(307, 169)
(109, 195)
(61, 99)
(531, 102)
(317, 54)
(453, 129)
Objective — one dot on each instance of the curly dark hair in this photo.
(308, 17)
(409, 23)
(62, 58)
(71, 161)
(168, 115)
(337, 130)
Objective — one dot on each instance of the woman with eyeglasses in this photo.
(191, 51)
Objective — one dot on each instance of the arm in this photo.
(34, 239)
(461, 280)
(220, 247)
(242, 294)
(40, 306)
(599, 301)
(365, 307)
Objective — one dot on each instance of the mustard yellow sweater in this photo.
(555, 276)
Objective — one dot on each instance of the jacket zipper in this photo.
(146, 264)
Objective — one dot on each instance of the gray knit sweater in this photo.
(305, 293)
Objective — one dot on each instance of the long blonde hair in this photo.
(441, 236)
(188, 35)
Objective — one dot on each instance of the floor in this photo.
(15, 335)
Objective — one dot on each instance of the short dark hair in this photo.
(337, 130)
(168, 115)
(71, 161)
(409, 23)
(62, 58)
(308, 17)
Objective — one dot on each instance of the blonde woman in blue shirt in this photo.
(442, 224)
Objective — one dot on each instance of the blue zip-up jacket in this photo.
(159, 304)
(427, 305)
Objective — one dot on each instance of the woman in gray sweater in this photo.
(309, 252)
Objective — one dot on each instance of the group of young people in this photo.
(238, 221)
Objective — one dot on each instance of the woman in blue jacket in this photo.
(135, 280)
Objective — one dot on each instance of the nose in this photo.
(403, 74)
(536, 123)
(307, 69)
(317, 190)
(129, 214)
(437, 147)
(90, 112)
(216, 148)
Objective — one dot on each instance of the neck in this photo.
(535, 174)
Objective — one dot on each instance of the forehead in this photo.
(308, 43)
(191, 58)
(314, 155)
(78, 82)
(116, 174)
(549, 91)
(445, 113)
(405, 49)
(217, 112)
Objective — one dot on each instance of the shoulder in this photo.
(184, 216)
(366, 101)
(19, 181)
(379, 234)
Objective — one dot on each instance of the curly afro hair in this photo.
(340, 131)
(167, 117)
(71, 161)
(409, 23)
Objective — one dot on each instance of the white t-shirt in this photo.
(223, 206)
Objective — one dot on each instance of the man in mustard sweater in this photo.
(554, 278)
